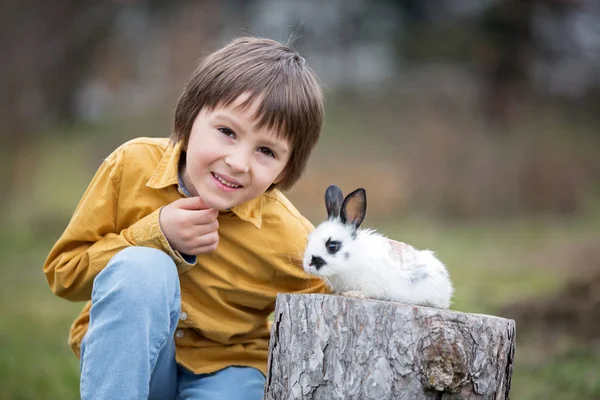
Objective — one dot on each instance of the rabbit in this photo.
(365, 264)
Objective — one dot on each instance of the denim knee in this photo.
(140, 274)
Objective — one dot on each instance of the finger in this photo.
(206, 249)
(192, 203)
(197, 241)
(204, 229)
(201, 217)
(193, 233)
(205, 240)
(204, 244)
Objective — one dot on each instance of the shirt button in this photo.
(183, 316)
(179, 333)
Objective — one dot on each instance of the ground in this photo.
(543, 271)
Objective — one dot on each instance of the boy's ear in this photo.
(280, 177)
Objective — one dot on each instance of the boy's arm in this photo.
(91, 239)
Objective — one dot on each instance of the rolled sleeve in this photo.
(147, 232)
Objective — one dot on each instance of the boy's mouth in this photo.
(227, 181)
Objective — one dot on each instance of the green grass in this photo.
(495, 264)
(489, 263)
(35, 360)
(492, 264)
(572, 375)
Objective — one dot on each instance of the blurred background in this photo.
(472, 124)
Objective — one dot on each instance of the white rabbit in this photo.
(363, 263)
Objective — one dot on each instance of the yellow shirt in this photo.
(227, 294)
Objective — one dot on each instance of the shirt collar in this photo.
(167, 174)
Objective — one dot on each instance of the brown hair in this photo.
(276, 75)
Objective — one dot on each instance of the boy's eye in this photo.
(227, 132)
(266, 151)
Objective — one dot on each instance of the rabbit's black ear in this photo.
(354, 208)
(333, 201)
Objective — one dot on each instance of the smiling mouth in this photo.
(225, 182)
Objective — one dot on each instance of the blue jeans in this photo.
(128, 351)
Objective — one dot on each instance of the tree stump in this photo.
(333, 347)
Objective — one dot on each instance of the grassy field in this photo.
(35, 362)
(493, 264)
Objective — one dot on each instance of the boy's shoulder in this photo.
(142, 146)
(139, 157)
(279, 209)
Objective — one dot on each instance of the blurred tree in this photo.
(546, 47)
(504, 55)
(47, 49)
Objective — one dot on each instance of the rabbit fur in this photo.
(364, 263)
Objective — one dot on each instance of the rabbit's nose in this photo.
(317, 261)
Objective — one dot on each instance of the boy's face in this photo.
(229, 161)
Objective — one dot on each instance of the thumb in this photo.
(192, 203)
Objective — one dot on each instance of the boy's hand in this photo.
(190, 226)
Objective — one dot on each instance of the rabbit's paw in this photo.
(354, 293)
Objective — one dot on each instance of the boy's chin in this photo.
(219, 204)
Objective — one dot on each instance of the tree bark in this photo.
(333, 347)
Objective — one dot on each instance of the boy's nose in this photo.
(237, 162)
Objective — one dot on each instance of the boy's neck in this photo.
(184, 180)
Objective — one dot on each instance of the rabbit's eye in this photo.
(333, 246)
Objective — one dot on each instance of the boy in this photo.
(182, 245)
